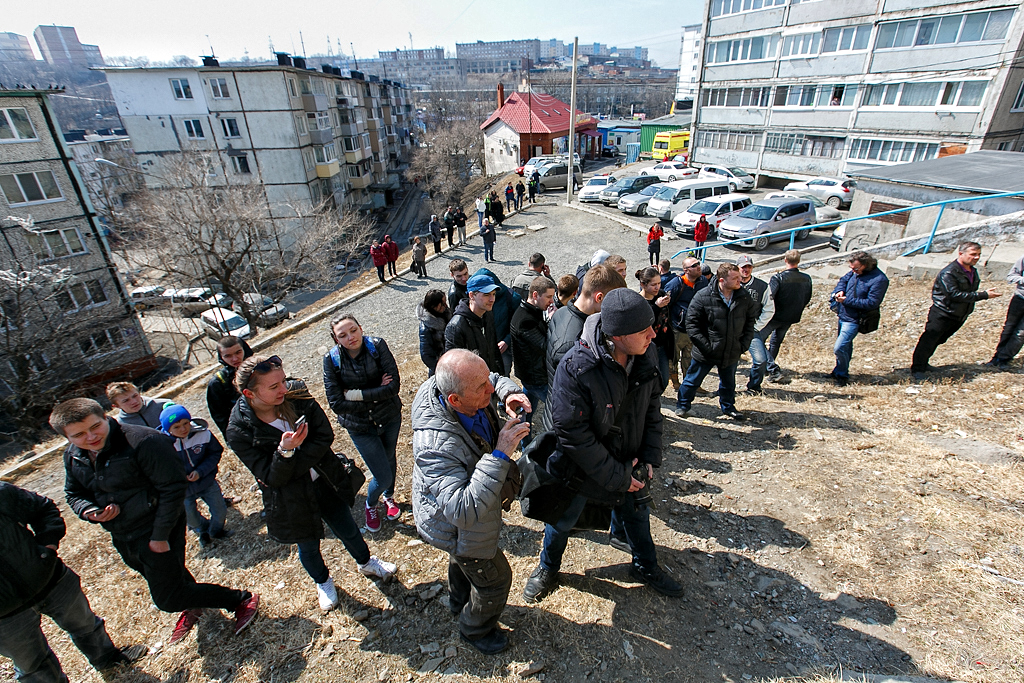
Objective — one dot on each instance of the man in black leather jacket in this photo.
(33, 582)
(953, 296)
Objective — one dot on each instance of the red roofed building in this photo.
(529, 124)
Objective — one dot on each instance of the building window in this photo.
(735, 97)
(291, 87)
(957, 28)
(30, 188)
(181, 89)
(1005, 147)
(893, 151)
(926, 95)
(742, 141)
(325, 154)
(799, 144)
(300, 123)
(230, 127)
(15, 125)
(241, 164)
(836, 95)
(318, 120)
(102, 342)
(81, 295)
(194, 129)
(846, 38)
(1018, 101)
(219, 86)
(723, 7)
(743, 50)
(353, 171)
(804, 45)
(56, 243)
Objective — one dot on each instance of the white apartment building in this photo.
(308, 136)
(794, 89)
(107, 185)
(690, 54)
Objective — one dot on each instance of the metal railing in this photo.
(792, 232)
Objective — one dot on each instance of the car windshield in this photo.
(649, 190)
(814, 200)
(624, 184)
(234, 322)
(738, 172)
(704, 207)
(758, 212)
(597, 181)
(665, 193)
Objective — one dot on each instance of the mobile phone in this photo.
(301, 421)
(521, 411)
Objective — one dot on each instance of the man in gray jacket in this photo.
(1012, 338)
(462, 478)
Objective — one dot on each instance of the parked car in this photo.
(836, 240)
(715, 209)
(685, 158)
(591, 191)
(556, 177)
(623, 186)
(670, 171)
(220, 300)
(823, 213)
(148, 297)
(674, 198)
(220, 322)
(538, 162)
(268, 313)
(737, 177)
(190, 300)
(766, 216)
(835, 192)
(636, 203)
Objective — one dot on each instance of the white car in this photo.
(823, 213)
(835, 192)
(715, 209)
(268, 313)
(220, 322)
(737, 177)
(670, 171)
(592, 189)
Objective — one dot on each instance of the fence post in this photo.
(928, 244)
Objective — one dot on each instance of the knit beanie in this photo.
(171, 414)
(624, 311)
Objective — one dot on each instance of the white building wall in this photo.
(690, 53)
(501, 148)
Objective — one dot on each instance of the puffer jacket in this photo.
(720, 333)
(954, 294)
(221, 393)
(289, 492)
(604, 417)
(564, 330)
(456, 293)
(529, 339)
(431, 337)
(379, 255)
(199, 452)
(26, 564)
(380, 405)
(149, 416)
(456, 487)
(467, 330)
(138, 471)
(863, 293)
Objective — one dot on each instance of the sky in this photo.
(161, 30)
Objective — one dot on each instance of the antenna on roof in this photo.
(354, 60)
(271, 41)
(210, 43)
(302, 43)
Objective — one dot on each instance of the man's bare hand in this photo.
(515, 401)
(159, 546)
(192, 476)
(105, 515)
(634, 485)
(511, 434)
(502, 346)
(993, 293)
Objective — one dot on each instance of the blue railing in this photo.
(792, 232)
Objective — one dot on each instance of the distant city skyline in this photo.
(162, 31)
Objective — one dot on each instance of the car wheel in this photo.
(140, 307)
(643, 172)
(641, 210)
(834, 202)
(761, 243)
(671, 178)
(802, 234)
(732, 187)
(540, 188)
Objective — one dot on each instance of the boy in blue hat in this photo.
(199, 451)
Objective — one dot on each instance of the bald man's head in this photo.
(463, 379)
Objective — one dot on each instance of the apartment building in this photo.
(59, 45)
(308, 136)
(793, 89)
(690, 53)
(66, 324)
(416, 67)
(106, 184)
(15, 47)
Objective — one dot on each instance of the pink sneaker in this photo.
(372, 519)
(391, 507)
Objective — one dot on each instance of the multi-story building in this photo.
(15, 47)
(690, 53)
(107, 184)
(416, 68)
(500, 56)
(59, 45)
(66, 321)
(795, 89)
(307, 136)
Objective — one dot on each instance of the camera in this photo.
(643, 496)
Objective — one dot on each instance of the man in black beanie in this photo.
(605, 406)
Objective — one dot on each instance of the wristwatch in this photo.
(286, 453)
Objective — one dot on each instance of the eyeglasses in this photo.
(695, 265)
(264, 367)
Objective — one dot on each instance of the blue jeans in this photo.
(758, 362)
(664, 364)
(22, 639)
(338, 517)
(537, 394)
(634, 521)
(378, 452)
(844, 348)
(696, 373)
(488, 251)
(214, 499)
(479, 219)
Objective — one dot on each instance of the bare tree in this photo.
(445, 160)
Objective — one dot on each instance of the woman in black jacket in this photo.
(433, 315)
(284, 437)
(362, 384)
(664, 340)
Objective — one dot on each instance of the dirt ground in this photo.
(874, 528)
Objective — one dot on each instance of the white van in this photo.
(674, 198)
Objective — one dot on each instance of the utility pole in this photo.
(572, 124)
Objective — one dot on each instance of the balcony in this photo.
(351, 128)
(321, 137)
(355, 156)
(331, 168)
(362, 182)
(314, 103)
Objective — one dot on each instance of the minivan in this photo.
(555, 177)
(148, 297)
(610, 195)
(768, 215)
(677, 197)
(715, 209)
(669, 143)
(220, 322)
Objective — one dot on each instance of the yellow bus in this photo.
(669, 143)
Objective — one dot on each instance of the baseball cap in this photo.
(744, 261)
(480, 283)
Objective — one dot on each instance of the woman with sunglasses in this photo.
(284, 437)
(362, 384)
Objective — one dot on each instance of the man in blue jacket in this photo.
(858, 292)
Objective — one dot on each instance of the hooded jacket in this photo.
(434, 226)
(720, 333)
(604, 415)
(505, 304)
(289, 492)
(138, 471)
(954, 294)
(199, 452)
(390, 248)
(467, 330)
(379, 255)
(456, 486)
(379, 404)
(431, 337)
(28, 523)
(529, 342)
(221, 393)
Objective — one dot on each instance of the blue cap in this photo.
(171, 414)
(481, 283)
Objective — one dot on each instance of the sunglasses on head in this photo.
(264, 367)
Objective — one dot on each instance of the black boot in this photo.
(542, 582)
(657, 579)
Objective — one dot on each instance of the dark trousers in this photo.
(509, 202)
(392, 269)
(437, 246)
(937, 331)
(773, 335)
(22, 639)
(1012, 338)
(488, 251)
(171, 584)
(338, 517)
(451, 233)
(420, 268)
(519, 201)
(696, 373)
(478, 590)
(627, 517)
(380, 273)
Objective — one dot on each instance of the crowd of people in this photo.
(593, 358)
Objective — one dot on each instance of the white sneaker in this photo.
(379, 568)
(327, 594)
